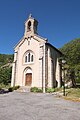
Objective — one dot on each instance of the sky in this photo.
(59, 21)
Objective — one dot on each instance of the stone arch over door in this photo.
(28, 76)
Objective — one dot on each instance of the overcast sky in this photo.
(59, 21)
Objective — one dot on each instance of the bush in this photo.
(0, 88)
(10, 89)
(58, 89)
(4, 86)
(50, 90)
(35, 89)
(16, 87)
(13, 88)
(39, 91)
(5, 75)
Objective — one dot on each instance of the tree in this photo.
(71, 53)
(5, 72)
(5, 75)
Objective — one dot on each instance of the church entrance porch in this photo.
(28, 79)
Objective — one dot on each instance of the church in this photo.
(36, 61)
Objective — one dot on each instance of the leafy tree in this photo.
(5, 75)
(71, 53)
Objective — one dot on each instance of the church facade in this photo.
(36, 61)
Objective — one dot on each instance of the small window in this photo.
(32, 58)
(29, 57)
(26, 59)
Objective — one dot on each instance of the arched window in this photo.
(26, 59)
(31, 58)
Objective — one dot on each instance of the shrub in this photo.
(5, 76)
(16, 87)
(50, 90)
(58, 89)
(11, 89)
(0, 88)
(4, 86)
(35, 89)
(40, 91)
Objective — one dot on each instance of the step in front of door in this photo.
(24, 89)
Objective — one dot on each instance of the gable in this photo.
(33, 38)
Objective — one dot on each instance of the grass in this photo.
(73, 94)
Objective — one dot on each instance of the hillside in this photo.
(4, 59)
(71, 52)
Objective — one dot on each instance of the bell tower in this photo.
(30, 26)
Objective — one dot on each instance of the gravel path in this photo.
(37, 106)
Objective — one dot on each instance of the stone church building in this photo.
(36, 61)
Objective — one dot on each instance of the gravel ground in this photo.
(37, 106)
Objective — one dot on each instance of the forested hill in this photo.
(5, 58)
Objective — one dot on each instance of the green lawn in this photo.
(73, 94)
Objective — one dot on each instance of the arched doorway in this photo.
(28, 77)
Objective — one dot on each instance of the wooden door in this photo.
(28, 79)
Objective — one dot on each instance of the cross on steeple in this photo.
(30, 15)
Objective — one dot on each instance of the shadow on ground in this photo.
(3, 91)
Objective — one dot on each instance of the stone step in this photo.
(24, 89)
